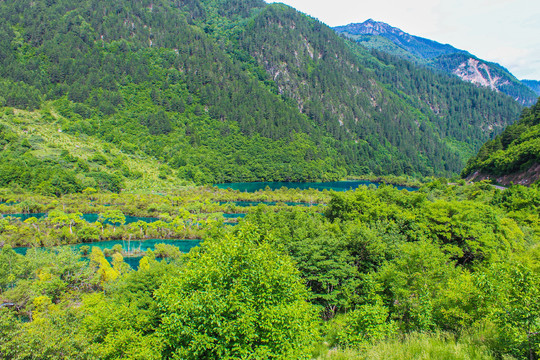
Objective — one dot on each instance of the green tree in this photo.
(366, 323)
(413, 281)
(236, 299)
(10, 266)
(115, 216)
(509, 293)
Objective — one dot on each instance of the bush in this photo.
(235, 299)
(366, 323)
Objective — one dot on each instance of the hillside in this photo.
(222, 91)
(534, 85)
(513, 156)
(381, 36)
(37, 153)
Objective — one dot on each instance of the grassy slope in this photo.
(48, 142)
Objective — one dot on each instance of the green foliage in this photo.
(365, 324)
(123, 323)
(42, 273)
(167, 251)
(330, 258)
(114, 216)
(10, 267)
(53, 334)
(469, 230)
(510, 291)
(516, 150)
(413, 281)
(19, 95)
(457, 263)
(236, 299)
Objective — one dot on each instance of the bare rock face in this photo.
(444, 57)
(479, 73)
(525, 178)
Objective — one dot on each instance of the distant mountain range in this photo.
(444, 57)
(534, 85)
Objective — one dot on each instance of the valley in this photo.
(231, 179)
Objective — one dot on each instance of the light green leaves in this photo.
(235, 299)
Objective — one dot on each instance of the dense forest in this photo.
(448, 271)
(222, 91)
(513, 155)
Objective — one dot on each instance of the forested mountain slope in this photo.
(534, 85)
(413, 109)
(237, 90)
(383, 37)
(145, 80)
(513, 156)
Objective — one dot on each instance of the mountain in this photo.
(417, 46)
(534, 85)
(513, 156)
(381, 36)
(225, 91)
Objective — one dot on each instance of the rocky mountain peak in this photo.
(371, 27)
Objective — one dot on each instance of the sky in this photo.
(502, 31)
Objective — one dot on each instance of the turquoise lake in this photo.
(269, 203)
(140, 245)
(87, 217)
(332, 185)
(234, 216)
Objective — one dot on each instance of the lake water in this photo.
(87, 217)
(234, 216)
(140, 245)
(333, 185)
(129, 219)
(269, 203)
(24, 217)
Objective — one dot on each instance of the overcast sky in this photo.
(502, 31)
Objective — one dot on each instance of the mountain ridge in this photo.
(534, 85)
(411, 43)
(439, 56)
(231, 91)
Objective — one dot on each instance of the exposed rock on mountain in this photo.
(377, 35)
(478, 73)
